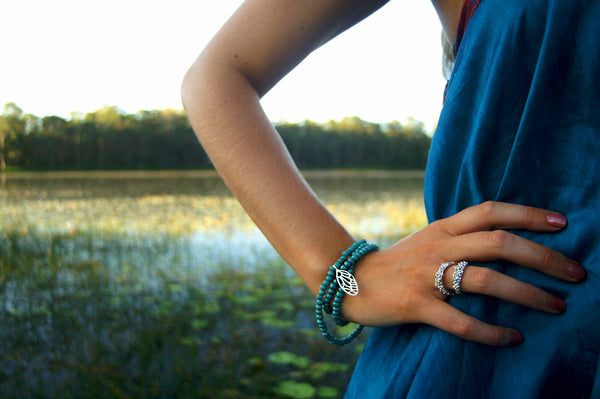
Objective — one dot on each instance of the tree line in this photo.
(109, 139)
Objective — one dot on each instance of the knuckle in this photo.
(440, 224)
(547, 256)
(530, 294)
(463, 328)
(496, 337)
(445, 227)
(409, 301)
(530, 215)
(487, 210)
(481, 279)
(409, 308)
(497, 239)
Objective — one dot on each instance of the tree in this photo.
(11, 125)
(111, 139)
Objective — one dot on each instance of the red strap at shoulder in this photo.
(469, 7)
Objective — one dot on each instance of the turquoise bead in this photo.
(329, 300)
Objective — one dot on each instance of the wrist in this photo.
(338, 283)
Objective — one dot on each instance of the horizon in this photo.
(133, 55)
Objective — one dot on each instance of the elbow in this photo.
(208, 79)
(197, 98)
(208, 87)
(198, 83)
(211, 93)
(189, 88)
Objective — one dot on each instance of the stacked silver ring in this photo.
(439, 277)
(457, 276)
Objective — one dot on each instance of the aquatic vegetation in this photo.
(81, 329)
(147, 292)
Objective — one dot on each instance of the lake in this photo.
(195, 207)
(147, 284)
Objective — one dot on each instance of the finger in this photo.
(482, 280)
(501, 245)
(500, 215)
(450, 319)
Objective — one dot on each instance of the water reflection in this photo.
(195, 206)
(104, 273)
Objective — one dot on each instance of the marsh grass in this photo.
(75, 328)
(132, 297)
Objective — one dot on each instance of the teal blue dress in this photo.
(521, 124)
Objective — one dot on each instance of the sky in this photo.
(65, 56)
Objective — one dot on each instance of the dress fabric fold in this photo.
(520, 124)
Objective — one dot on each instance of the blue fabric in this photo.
(521, 124)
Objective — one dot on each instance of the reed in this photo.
(103, 324)
(121, 287)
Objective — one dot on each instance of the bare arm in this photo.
(262, 42)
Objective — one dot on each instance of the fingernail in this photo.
(576, 271)
(556, 220)
(558, 304)
(516, 338)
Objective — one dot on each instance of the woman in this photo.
(514, 155)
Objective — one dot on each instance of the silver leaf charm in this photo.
(346, 281)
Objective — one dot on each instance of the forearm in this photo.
(259, 45)
(226, 115)
(262, 42)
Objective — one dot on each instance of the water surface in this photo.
(156, 284)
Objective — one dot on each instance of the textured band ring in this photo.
(439, 278)
(458, 275)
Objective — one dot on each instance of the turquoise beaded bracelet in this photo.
(332, 290)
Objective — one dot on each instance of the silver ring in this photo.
(439, 277)
(458, 275)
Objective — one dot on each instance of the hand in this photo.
(397, 284)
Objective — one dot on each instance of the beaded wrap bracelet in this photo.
(340, 281)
